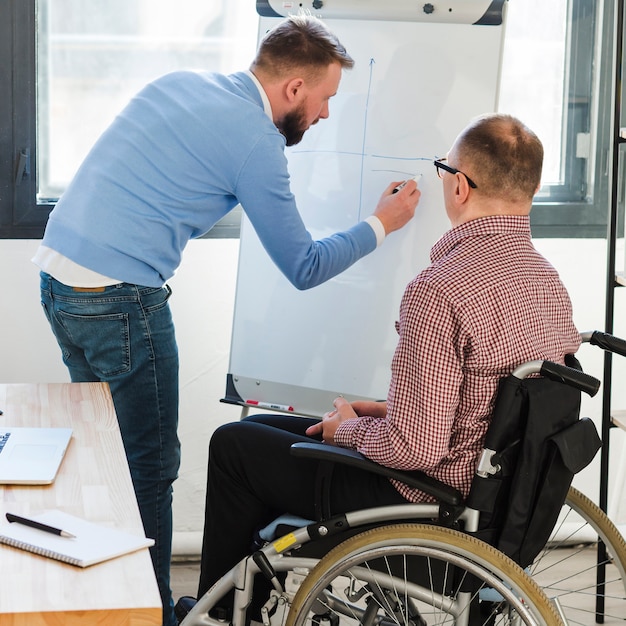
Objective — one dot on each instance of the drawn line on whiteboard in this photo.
(348, 152)
(401, 172)
(361, 154)
(382, 156)
(367, 104)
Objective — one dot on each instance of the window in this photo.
(552, 73)
(67, 67)
(77, 64)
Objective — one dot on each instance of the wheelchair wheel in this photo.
(418, 575)
(567, 567)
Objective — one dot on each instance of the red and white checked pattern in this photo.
(488, 302)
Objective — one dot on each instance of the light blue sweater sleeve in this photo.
(264, 192)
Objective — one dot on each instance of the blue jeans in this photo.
(124, 335)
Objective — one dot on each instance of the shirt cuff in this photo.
(377, 227)
(343, 434)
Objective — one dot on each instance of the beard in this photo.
(293, 125)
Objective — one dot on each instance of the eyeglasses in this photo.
(440, 165)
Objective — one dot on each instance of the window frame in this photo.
(23, 217)
(552, 215)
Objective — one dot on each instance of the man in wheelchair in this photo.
(488, 302)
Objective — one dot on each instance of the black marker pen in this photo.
(416, 178)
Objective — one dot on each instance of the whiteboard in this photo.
(414, 86)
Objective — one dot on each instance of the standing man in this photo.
(185, 151)
(487, 303)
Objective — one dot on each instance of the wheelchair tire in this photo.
(372, 578)
(564, 569)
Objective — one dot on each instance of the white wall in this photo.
(202, 305)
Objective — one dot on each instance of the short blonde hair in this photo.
(300, 44)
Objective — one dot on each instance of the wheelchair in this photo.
(486, 560)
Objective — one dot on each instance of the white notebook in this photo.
(93, 543)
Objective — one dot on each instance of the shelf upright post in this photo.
(611, 284)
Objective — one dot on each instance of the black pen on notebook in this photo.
(39, 526)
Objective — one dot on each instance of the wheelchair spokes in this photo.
(417, 575)
(567, 568)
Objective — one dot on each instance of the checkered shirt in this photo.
(488, 302)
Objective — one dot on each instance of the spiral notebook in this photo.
(93, 543)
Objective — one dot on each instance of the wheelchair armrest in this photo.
(415, 478)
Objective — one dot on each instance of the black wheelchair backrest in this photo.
(534, 446)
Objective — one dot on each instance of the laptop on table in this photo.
(31, 456)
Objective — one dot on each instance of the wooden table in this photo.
(93, 483)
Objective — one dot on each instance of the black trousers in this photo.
(252, 479)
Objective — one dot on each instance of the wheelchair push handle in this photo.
(605, 341)
(571, 377)
(560, 373)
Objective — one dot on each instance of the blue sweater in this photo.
(185, 151)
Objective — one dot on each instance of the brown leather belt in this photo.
(89, 289)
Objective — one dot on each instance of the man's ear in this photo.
(293, 88)
(461, 188)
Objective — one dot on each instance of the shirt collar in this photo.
(492, 225)
(267, 107)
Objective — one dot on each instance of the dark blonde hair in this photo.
(503, 156)
(302, 44)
